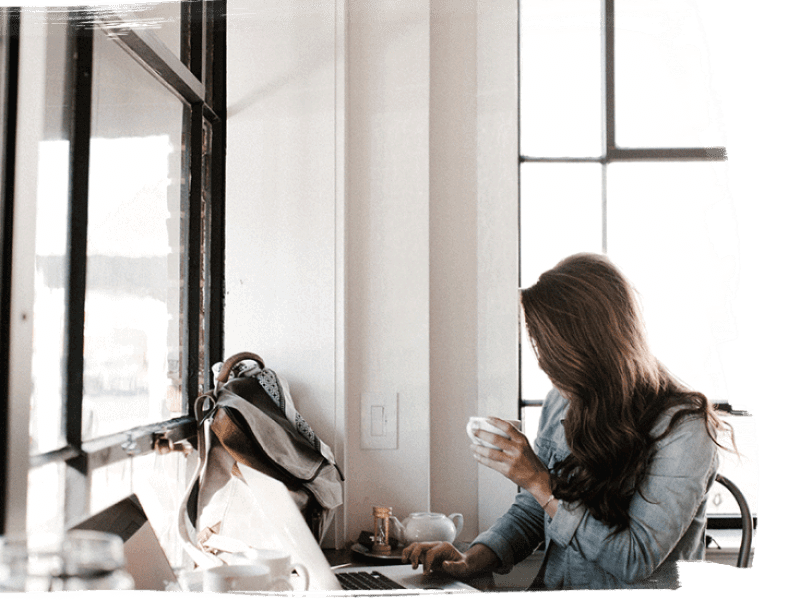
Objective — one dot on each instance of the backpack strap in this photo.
(228, 365)
(204, 406)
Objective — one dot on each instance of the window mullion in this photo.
(604, 208)
(609, 100)
(81, 43)
(608, 77)
(152, 52)
(80, 135)
(9, 54)
(116, 447)
(670, 154)
(195, 46)
(193, 183)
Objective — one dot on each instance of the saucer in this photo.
(395, 555)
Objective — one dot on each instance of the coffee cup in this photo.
(280, 566)
(237, 578)
(476, 423)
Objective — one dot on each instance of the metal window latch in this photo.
(130, 446)
(162, 444)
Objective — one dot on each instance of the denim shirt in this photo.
(582, 551)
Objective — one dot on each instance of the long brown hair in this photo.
(585, 325)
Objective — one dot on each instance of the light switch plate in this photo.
(379, 420)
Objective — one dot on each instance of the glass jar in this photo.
(76, 560)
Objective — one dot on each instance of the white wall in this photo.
(281, 228)
(387, 230)
(372, 231)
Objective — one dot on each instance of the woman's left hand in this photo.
(515, 459)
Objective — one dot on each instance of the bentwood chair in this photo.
(747, 521)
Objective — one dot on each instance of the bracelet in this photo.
(549, 500)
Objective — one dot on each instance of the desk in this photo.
(519, 579)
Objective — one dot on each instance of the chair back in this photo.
(747, 521)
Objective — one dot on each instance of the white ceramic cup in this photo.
(237, 578)
(280, 567)
(476, 423)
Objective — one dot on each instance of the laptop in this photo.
(145, 558)
(289, 531)
(280, 522)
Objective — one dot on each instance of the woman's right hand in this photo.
(436, 556)
(444, 557)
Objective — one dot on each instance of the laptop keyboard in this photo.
(363, 580)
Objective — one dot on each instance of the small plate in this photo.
(396, 553)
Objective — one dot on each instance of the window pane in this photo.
(672, 230)
(560, 214)
(132, 341)
(530, 420)
(51, 243)
(45, 511)
(561, 94)
(663, 87)
(742, 470)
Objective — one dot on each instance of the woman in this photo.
(616, 483)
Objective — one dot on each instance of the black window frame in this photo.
(9, 54)
(198, 77)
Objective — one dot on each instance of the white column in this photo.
(387, 250)
(29, 131)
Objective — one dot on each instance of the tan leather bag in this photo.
(250, 419)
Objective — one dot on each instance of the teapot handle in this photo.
(458, 520)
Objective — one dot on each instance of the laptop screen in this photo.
(145, 558)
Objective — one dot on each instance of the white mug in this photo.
(237, 578)
(280, 567)
(476, 423)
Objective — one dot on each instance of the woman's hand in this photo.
(515, 459)
(443, 556)
(436, 556)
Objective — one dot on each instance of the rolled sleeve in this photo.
(565, 523)
(500, 546)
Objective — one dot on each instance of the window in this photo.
(127, 281)
(622, 152)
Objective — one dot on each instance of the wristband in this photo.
(549, 500)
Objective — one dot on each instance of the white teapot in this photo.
(428, 527)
